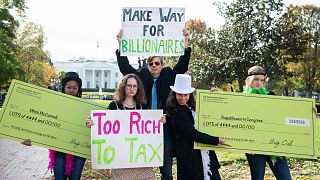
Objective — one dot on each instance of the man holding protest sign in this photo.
(157, 80)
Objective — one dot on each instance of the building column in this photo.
(84, 82)
(111, 78)
(93, 75)
(102, 76)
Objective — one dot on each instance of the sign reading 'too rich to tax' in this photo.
(126, 138)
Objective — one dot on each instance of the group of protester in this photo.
(169, 89)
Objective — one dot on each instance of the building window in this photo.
(116, 84)
(105, 75)
(116, 75)
(106, 85)
(88, 84)
(97, 74)
(97, 84)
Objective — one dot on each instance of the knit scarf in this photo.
(69, 162)
(249, 90)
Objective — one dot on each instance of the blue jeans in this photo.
(257, 163)
(59, 167)
(166, 169)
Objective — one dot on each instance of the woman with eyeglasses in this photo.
(66, 166)
(157, 79)
(130, 95)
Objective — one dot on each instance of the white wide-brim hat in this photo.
(182, 84)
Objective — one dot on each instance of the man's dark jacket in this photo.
(165, 80)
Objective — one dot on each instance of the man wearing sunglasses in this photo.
(157, 80)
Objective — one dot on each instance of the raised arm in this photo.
(186, 35)
(119, 36)
(123, 62)
(182, 66)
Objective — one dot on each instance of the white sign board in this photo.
(126, 139)
(152, 31)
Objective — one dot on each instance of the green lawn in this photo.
(96, 93)
(318, 134)
(103, 102)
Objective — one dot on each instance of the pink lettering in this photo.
(134, 122)
(156, 126)
(99, 120)
(143, 126)
(146, 128)
(107, 127)
(116, 127)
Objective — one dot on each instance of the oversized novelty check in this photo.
(50, 119)
(260, 124)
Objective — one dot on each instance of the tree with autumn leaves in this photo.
(299, 50)
(22, 55)
(36, 63)
(262, 32)
(9, 64)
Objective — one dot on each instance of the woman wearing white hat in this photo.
(191, 163)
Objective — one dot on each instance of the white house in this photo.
(94, 73)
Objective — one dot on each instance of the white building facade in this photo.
(93, 73)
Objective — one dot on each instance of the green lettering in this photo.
(141, 151)
(181, 46)
(161, 45)
(106, 153)
(130, 45)
(99, 142)
(124, 44)
(165, 46)
(155, 46)
(138, 46)
(143, 44)
(131, 147)
(176, 45)
(155, 152)
(147, 45)
(133, 47)
(170, 43)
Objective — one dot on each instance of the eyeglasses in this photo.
(72, 88)
(130, 86)
(157, 63)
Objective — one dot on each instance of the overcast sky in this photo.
(73, 27)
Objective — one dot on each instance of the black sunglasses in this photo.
(156, 63)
